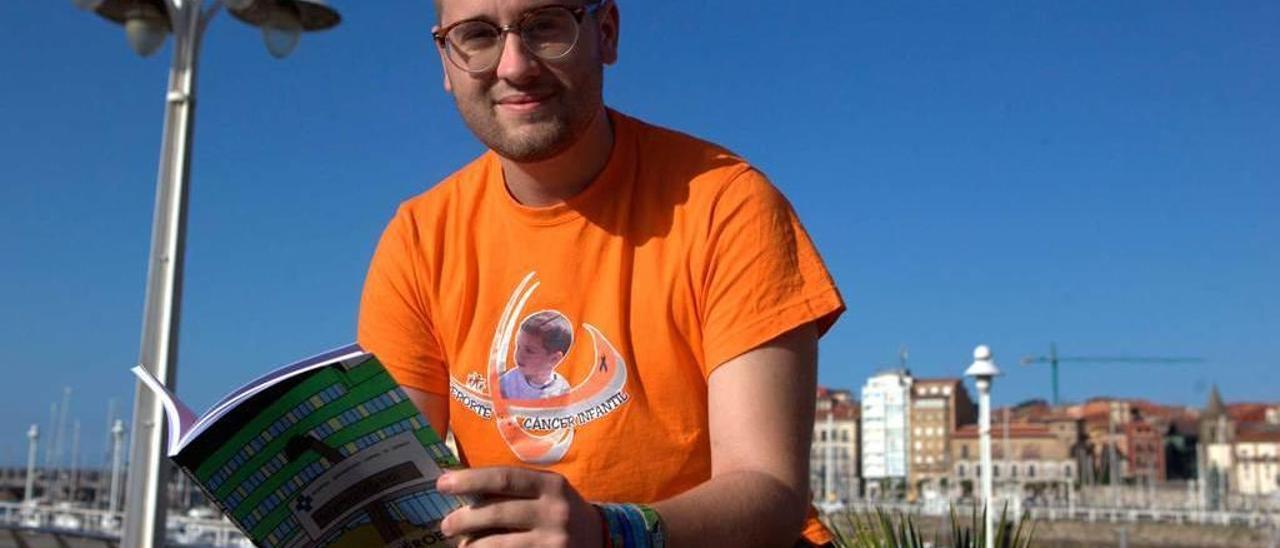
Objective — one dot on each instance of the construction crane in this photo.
(1053, 359)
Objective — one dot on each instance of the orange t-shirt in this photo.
(677, 258)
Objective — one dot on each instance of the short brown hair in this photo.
(552, 328)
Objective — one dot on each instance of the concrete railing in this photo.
(1139, 515)
(1254, 519)
(93, 524)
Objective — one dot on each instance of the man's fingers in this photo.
(489, 518)
(518, 539)
(498, 481)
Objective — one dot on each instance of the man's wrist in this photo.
(631, 526)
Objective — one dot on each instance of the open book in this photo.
(328, 451)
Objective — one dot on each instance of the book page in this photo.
(179, 417)
(335, 456)
(264, 382)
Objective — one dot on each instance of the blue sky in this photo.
(1102, 175)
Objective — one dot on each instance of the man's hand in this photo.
(520, 507)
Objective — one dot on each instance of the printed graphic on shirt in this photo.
(532, 405)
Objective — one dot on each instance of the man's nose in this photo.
(516, 63)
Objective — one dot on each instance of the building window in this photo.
(960, 470)
(1013, 471)
(995, 471)
(964, 451)
(1031, 471)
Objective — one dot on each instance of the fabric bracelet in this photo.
(632, 526)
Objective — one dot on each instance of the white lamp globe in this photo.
(145, 35)
(282, 32)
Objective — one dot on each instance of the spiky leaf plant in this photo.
(881, 529)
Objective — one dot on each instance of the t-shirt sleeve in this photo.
(763, 276)
(395, 324)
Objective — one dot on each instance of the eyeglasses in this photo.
(548, 32)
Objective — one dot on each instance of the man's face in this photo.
(532, 356)
(525, 108)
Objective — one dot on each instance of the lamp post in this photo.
(984, 370)
(146, 24)
(828, 483)
(33, 440)
(117, 444)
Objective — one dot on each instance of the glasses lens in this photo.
(549, 33)
(474, 45)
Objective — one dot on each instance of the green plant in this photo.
(881, 529)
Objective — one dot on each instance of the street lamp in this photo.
(147, 23)
(33, 440)
(984, 370)
(117, 443)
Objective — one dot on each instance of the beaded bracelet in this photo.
(632, 526)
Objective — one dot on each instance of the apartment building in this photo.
(937, 408)
(833, 460)
(885, 422)
(1029, 461)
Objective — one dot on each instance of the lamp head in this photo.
(983, 366)
(146, 22)
(145, 35)
(283, 21)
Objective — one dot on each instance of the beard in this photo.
(540, 135)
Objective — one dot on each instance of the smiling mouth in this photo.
(523, 102)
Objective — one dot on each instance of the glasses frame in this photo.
(579, 12)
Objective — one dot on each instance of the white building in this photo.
(1258, 463)
(833, 460)
(885, 423)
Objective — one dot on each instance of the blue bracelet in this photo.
(633, 526)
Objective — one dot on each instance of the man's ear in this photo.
(444, 61)
(609, 30)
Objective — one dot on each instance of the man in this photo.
(694, 293)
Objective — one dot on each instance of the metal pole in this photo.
(984, 442)
(59, 444)
(1053, 367)
(33, 441)
(1113, 470)
(117, 444)
(111, 419)
(147, 501)
(75, 460)
(107, 448)
(1005, 480)
(50, 470)
(53, 427)
(829, 479)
